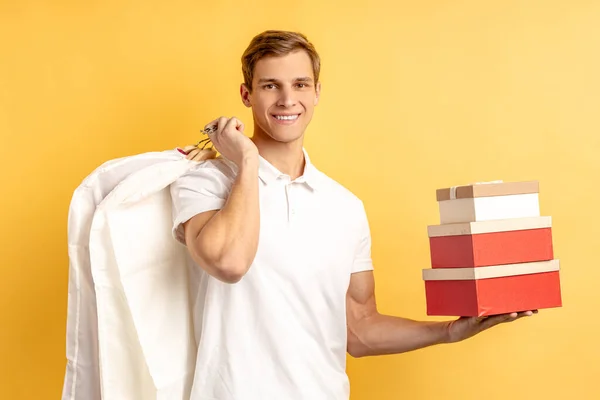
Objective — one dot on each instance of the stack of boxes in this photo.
(491, 253)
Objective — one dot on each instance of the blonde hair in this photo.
(277, 43)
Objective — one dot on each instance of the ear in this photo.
(317, 92)
(245, 94)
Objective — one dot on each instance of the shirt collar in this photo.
(268, 173)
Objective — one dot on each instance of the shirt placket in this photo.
(291, 203)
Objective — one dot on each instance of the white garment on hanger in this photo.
(129, 329)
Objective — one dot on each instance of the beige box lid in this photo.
(488, 189)
(494, 271)
(492, 226)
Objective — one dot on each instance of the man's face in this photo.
(283, 97)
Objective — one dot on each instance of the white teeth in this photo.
(286, 117)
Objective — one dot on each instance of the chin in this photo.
(284, 134)
(285, 137)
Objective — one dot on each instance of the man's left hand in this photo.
(466, 327)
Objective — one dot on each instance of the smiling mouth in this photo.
(286, 117)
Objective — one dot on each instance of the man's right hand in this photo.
(230, 141)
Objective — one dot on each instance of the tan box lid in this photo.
(494, 271)
(493, 226)
(487, 189)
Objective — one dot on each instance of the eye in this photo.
(302, 85)
(269, 86)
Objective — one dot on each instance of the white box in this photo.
(489, 208)
(488, 202)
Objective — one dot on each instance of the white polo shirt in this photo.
(280, 332)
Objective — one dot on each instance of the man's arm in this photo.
(370, 333)
(225, 242)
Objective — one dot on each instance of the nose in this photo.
(286, 98)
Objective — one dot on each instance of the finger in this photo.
(234, 123)
(216, 134)
(221, 125)
(239, 125)
(527, 313)
(212, 125)
(497, 319)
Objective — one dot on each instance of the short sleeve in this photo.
(204, 188)
(362, 256)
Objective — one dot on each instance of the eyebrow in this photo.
(273, 80)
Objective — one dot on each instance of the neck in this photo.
(286, 157)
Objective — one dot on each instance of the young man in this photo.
(283, 250)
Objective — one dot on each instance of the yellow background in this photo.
(416, 96)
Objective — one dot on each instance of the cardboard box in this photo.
(488, 201)
(499, 289)
(478, 244)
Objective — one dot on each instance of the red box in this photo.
(491, 248)
(483, 291)
(479, 244)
